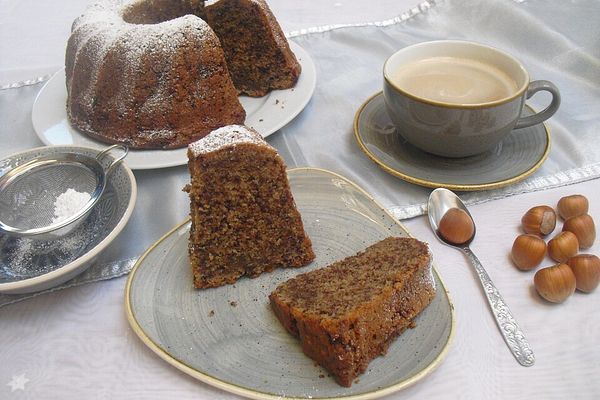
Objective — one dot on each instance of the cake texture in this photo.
(348, 313)
(154, 74)
(244, 218)
(238, 24)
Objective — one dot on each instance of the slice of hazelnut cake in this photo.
(348, 313)
(244, 218)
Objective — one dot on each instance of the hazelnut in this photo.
(572, 206)
(528, 251)
(540, 220)
(563, 246)
(586, 268)
(555, 283)
(456, 226)
(583, 227)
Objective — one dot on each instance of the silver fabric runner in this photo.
(29, 82)
(553, 45)
(96, 272)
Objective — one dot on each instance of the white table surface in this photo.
(76, 343)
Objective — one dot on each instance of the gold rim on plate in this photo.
(451, 186)
(253, 394)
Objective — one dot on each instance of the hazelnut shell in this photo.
(555, 283)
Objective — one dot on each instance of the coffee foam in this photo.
(454, 80)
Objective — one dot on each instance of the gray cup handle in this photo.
(534, 87)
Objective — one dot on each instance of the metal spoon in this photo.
(440, 201)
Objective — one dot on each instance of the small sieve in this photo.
(29, 192)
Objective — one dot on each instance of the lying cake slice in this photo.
(348, 313)
(244, 218)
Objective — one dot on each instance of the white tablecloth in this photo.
(76, 343)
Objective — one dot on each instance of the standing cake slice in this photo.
(348, 313)
(244, 218)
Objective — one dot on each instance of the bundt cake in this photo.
(244, 218)
(348, 313)
(153, 73)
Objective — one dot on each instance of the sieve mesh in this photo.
(29, 201)
(50, 196)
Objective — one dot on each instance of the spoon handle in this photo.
(513, 336)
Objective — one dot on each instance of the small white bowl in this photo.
(29, 265)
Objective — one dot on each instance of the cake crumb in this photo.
(233, 303)
(211, 313)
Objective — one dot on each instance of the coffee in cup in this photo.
(456, 98)
(454, 80)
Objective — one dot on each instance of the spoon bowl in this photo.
(440, 201)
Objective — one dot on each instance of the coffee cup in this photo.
(458, 98)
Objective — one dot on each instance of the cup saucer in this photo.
(519, 155)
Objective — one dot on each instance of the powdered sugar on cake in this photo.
(102, 28)
(229, 135)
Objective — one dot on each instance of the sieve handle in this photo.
(105, 152)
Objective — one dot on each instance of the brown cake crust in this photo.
(348, 313)
(244, 218)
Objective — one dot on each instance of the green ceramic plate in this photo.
(228, 337)
(519, 155)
